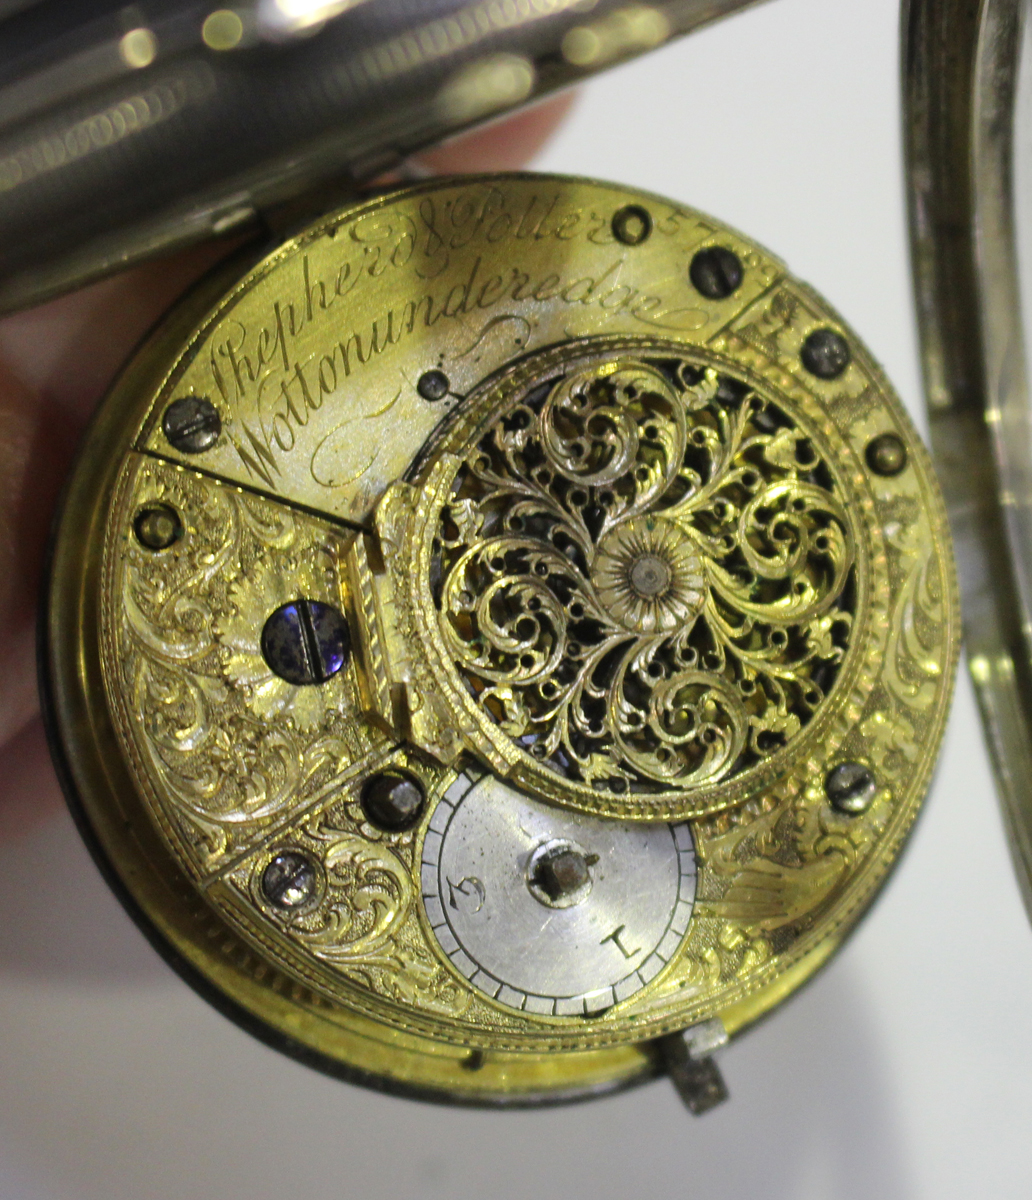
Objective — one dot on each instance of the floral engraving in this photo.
(230, 749)
(362, 923)
(252, 598)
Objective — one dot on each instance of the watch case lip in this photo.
(960, 90)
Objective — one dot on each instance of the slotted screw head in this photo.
(851, 787)
(306, 642)
(192, 424)
(716, 272)
(289, 881)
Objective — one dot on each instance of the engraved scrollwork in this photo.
(893, 741)
(363, 925)
(636, 565)
(734, 954)
(368, 896)
(232, 745)
(644, 574)
(916, 651)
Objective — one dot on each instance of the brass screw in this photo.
(157, 527)
(886, 454)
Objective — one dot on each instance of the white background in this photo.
(904, 1071)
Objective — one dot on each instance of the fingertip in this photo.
(31, 793)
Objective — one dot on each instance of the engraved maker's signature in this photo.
(272, 381)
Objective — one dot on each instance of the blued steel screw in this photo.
(632, 224)
(306, 642)
(825, 354)
(157, 527)
(886, 454)
(393, 800)
(289, 880)
(716, 272)
(192, 424)
(851, 787)
(433, 385)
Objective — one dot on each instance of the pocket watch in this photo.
(497, 641)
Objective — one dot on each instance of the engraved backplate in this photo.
(561, 519)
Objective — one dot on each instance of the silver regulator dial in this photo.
(551, 912)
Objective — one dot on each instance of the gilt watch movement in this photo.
(498, 641)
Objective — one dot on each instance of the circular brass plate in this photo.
(488, 489)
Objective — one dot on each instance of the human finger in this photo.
(57, 360)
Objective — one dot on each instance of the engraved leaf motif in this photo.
(253, 598)
(185, 643)
(767, 895)
(369, 895)
(915, 647)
